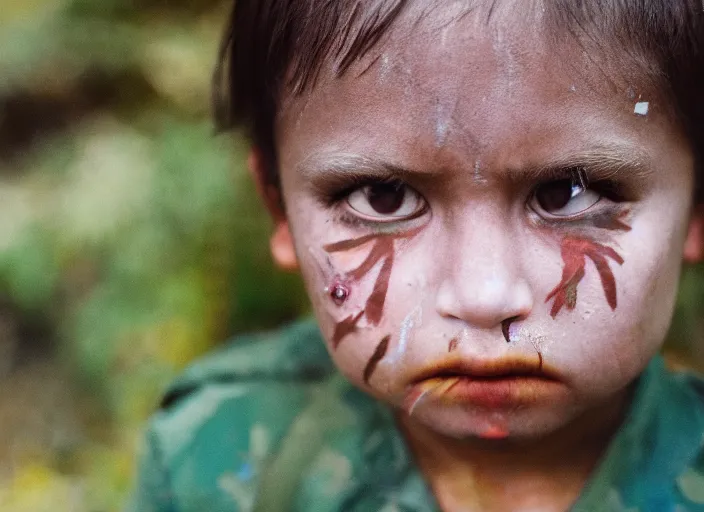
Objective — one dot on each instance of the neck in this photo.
(544, 474)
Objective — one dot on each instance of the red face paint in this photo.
(382, 250)
(347, 245)
(378, 355)
(454, 343)
(375, 304)
(346, 327)
(575, 251)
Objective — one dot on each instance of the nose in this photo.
(482, 283)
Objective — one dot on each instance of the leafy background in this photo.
(130, 238)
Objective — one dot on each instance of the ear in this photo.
(281, 241)
(694, 244)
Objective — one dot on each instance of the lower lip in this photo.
(491, 393)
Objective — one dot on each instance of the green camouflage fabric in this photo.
(266, 424)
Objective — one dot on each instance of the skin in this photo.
(467, 116)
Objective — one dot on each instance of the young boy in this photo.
(489, 202)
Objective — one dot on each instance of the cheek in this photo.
(356, 346)
(357, 286)
(620, 342)
(651, 283)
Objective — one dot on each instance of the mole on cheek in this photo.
(339, 293)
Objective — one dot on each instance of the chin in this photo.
(519, 424)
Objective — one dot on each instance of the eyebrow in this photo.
(342, 165)
(611, 161)
(603, 162)
(336, 172)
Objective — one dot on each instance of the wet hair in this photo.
(277, 47)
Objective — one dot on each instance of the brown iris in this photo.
(386, 198)
(555, 195)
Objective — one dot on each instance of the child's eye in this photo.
(391, 201)
(564, 198)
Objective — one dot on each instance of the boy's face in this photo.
(490, 236)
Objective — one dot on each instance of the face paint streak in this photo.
(347, 245)
(383, 250)
(607, 281)
(434, 387)
(412, 401)
(454, 343)
(378, 355)
(431, 387)
(574, 253)
(613, 224)
(409, 323)
(375, 304)
(346, 327)
(540, 354)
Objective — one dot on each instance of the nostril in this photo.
(506, 326)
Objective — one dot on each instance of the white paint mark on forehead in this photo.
(477, 173)
(385, 67)
(442, 124)
(642, 108)
(443, 36)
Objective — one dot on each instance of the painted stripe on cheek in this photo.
(378, 355)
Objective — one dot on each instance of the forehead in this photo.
(472, 84)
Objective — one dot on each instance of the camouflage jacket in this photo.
(266, 424)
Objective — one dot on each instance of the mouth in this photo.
(488, 369)
(498, 384)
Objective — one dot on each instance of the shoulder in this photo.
(225, 415)
(656, 460)
(681, 420)
(294, 354)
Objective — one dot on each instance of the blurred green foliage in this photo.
(130, 238)
(128, 230)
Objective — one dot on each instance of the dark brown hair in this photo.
(276, 47)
